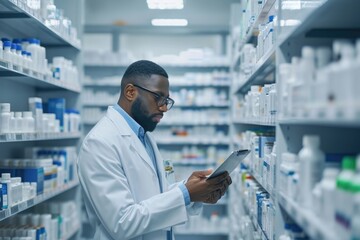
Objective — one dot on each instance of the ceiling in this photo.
(199, 13)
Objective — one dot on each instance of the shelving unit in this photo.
(301, 23)
(190, 141)
(308, 220)
(17, 20)
(30, 137)
(264, 67)
(255, 123)
(101, 74)
(33, 78)
(4, 214)
(23, 21)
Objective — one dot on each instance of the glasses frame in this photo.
(161, 100)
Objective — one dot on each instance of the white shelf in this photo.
(254, 123)
(100, 104)
(202, 105)
(266, 186)
(27, 137)
(73, 231)
(320, 122)
(97, 104)
(332, 24)
(34, 201)
(165, 65)
(192, 85)
(207, 233)
(259, 19)
(261, 70)
(101, 84)
(33, 78)
(191, 140)
(307, 220)
(253, 219)
(194, 162)
(16, 21)
(207, 123)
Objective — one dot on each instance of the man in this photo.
(122, 174)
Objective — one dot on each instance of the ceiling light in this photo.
(169, 22)
(165, 4)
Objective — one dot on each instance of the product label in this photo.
(5, 196)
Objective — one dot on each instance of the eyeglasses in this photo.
(160, 100)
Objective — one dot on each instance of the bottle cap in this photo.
(5, 107)
(331, 173)
(27, 114)
(311, 141)
(348, 163)
(307, 52)
(5, 176)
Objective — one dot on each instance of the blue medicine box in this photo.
(28, 175)
(57, 106)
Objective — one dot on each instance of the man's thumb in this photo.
(204, 173)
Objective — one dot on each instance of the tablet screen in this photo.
(230, 163)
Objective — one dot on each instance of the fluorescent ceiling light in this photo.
(169, 22)
(165, 4)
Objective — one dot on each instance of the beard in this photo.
(142, 116)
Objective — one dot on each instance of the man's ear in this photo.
(130, 92)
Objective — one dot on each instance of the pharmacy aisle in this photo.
(40, 84)
(301, 181)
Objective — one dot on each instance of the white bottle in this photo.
(344, 197)
(12, 124)
(42, 57)
(318, 107)
(343, 91)
(5, 118)
(8, 56)
(312, 161)
(19, 123)
(355, 220)
(35, 105)
(6, 186)
(19, 57)
(25, 59)
(273, 108)
(30, 61)
(33, 49)
(328, 194)
(308, 77)
(356, 84)
(272, 180)
(15, 59)
(287, 170)
(291, 86)
(66, 122)
(29, 122)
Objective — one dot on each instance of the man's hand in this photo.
(207, 191)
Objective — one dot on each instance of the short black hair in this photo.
(141, 69)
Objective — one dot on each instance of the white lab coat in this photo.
(121, 188)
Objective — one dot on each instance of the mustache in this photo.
(157, 114)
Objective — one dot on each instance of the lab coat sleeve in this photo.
(106, 186)
(194, 208)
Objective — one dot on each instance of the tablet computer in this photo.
(230, 163)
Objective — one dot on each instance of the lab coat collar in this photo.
(125, 130)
